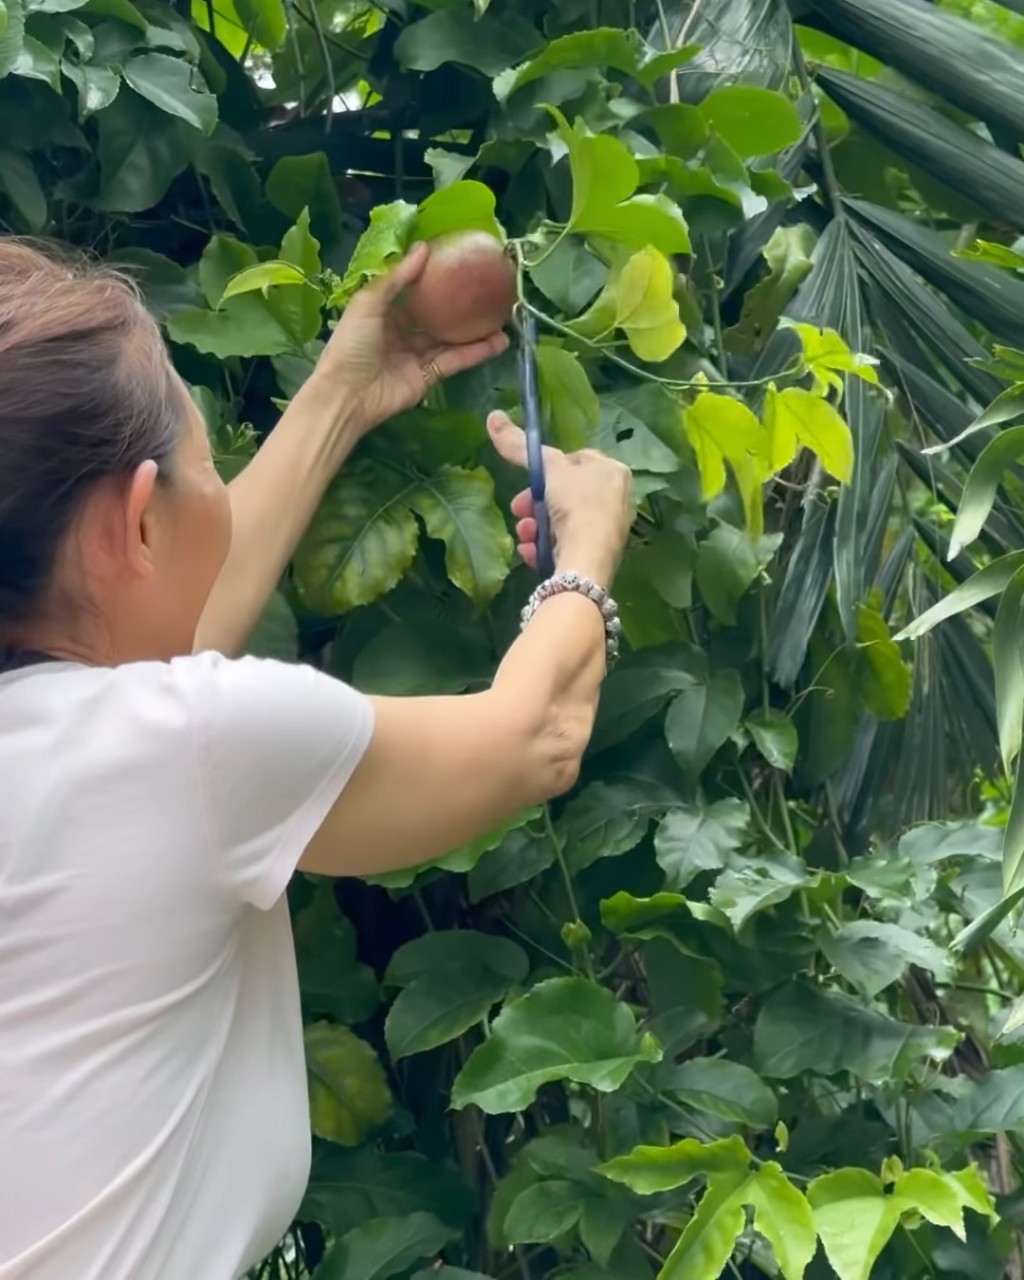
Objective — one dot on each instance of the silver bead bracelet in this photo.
(562, 582)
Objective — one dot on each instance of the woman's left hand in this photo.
(379, 362)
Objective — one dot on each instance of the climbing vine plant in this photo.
(736, 1006)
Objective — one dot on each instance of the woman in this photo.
(158, 795)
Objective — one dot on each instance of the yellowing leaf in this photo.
(645, 309)
(796, 418)
(827, 357)
(720, 429)
(638, 299)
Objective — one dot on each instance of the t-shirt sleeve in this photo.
(275, 743)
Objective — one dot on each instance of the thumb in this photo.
(402, 275)
(508, 439)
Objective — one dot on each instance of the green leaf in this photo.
(97, 86)
(752, 885)
(489, 44)
(569, 406)
(519, 857)
(438, 1006)
(798, 419)
(981, 586)
(331, 980)
(563, 1029)
(854, 1218)
(1008, 668)
(141, 151)
(261, 277)
(429, 656)
(775, 736)
(348, 1090)
(305, 182)
(722, 429)
(873, 954)
(729, 561)
(36, 61)
(604, 178)
(461, 206)
(361, 541)
(788, 255)
(710, 1236)
(456, 949)
(752, 120)
(800, 1028)
(695, 838)
(703, 717)
(12, 34)
(264, 21)
(886, 681)
(784, 1217)
(349, 1187)
(170, 84)
(383, 1247)
(458, 508)
(20, 184)
(606, 820)
(725, 1089)
(638, 299)
(383, 242)
(641, 684)
(934, 1198)
(648, 1170)
(276, 634)
(828, 358)
(980, 489)
(603, 47)
(462, 859)
(544, 1212)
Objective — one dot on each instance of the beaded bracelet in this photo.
(562, 582)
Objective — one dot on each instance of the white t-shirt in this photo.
(153, 1105)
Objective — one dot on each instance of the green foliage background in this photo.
(744, 1003)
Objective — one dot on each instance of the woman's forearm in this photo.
(272, 503)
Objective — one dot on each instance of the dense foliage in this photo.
(738, 1005)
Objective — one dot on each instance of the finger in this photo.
(528, 552)
(521, 505)
(508, 439)
(526, 530)
(452, 360)
(386, 288)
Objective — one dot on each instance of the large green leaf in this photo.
(873, 954)
(954, 58)
(725, 1089)
(696, 838)
(331, 980)
(348, 1091)
(169, 83)
(564, 1029)
(489, 44)
(985, 584)
(801, 1028)
(141, 151)
(383, 1247)
(980, 490)
(440, 1005)
(752, 120)
(648, 1170)
(1008, 668)
(349, 1187)
(701, 719)
(854, 1218)
(457, 506)
(979, 171)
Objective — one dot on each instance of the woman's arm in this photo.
(272, 502)
(371, 369)
(442, 771)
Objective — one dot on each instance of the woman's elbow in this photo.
(557, 755)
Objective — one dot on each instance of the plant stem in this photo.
(570, 892)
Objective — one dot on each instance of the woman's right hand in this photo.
(589, 504)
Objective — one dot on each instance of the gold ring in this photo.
(431, 373)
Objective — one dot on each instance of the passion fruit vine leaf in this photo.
(462, 206)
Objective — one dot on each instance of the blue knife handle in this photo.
(534, 442)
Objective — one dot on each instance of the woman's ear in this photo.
(140, 527)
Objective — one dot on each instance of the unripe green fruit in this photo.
(467, 289)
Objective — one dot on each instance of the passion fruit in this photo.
(467, 289)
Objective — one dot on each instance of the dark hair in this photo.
(86, 392)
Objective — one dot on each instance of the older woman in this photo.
(157, 795)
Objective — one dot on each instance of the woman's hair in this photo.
(86, 392)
